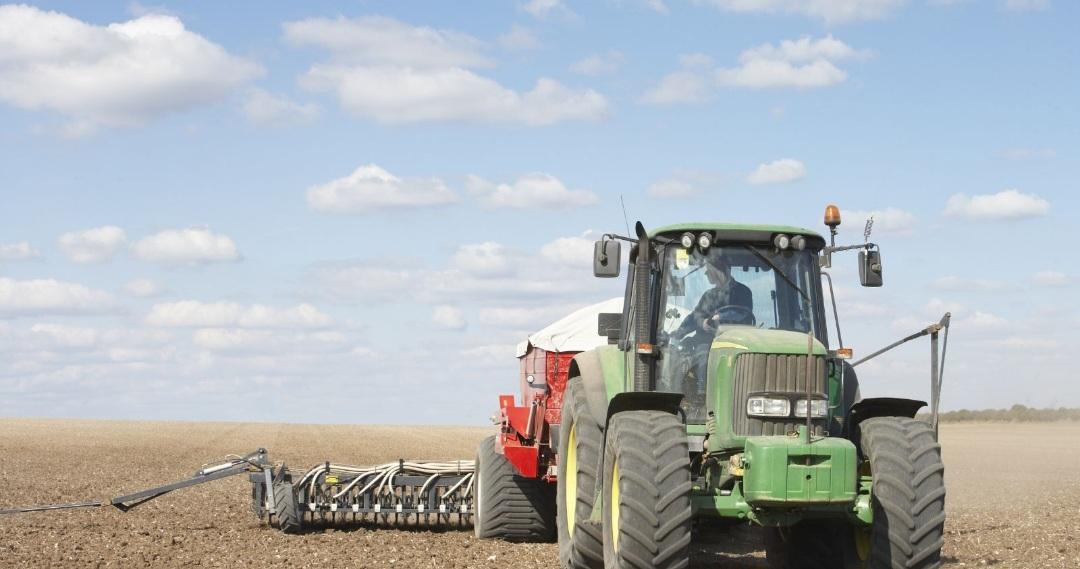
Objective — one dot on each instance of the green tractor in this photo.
(718, 397)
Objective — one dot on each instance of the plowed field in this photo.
(1014, 499)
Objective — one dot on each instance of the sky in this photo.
(351, 212)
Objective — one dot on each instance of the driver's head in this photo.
(717, 270)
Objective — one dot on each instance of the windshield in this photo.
(727, 286)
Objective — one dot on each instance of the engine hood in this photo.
(759, 340)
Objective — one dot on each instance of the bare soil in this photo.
(1014, 499)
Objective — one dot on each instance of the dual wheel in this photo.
(645, 494)
(908, 501)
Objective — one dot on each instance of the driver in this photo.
(733, 297)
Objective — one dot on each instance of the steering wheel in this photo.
(746, 313)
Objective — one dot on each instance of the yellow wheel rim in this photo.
(862, 543)
(570, 496)
(615, 507)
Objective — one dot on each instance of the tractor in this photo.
(718, 398)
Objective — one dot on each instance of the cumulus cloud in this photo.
(122, 74)
(1051, 278)
(599, 63)
(392, 72)
(574, 252)
(519, 38)
(266, 109)
(49, 296)
(889, 220)
(448, 317)
(1005, 205)
(263, 342)
(485, 259)
(535, 190)
(191, 246)
(21, 251)
(671, 188)
(545, 8)
(804, 63)
(143, 288)
(831, 11)
(193, 313)
(93, 245)
(1026, 5)
(370, 188)
(961, 284)
(778, 172)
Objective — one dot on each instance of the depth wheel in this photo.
(646, 492)
(286, 508)
(581, 542)
(508, 506)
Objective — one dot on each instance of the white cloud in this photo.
(804, 63)
(193, 313)
(961, 284)
(889, 220)
(492, 355)
(367, 280)
(1028, 153)
(370, 188)
(778, 172)
(386, 41)
(392, 72)
(1027, 5)
(266, 109)
(519, 38)
(984, 321)
(448, 317)
(241, 341)
(599, 63)
(485, 259)
(831, 11)
(21, 251)
(143, 288)
(545, 8)
(67, 336)
(1051, 278)
(535, 190)
(49, 296)
(186, 246)
(93, 245)
(680, 87)
(1005, 205)
(117, 75)
(671, 188)
(410, 95)
(575, 252)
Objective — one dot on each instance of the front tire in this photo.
(646, 492)
(908, 501)
(581, 542)
(508, 506)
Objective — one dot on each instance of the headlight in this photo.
(687, 240)
(768, 407)
(818, 408)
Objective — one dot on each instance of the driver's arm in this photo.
(696, 319)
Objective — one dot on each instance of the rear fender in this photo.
(588, 367)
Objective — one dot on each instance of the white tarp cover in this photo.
(575, 332)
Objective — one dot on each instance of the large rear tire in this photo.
(908, 501)
(508, 506)
(646, 492)
(581, 438)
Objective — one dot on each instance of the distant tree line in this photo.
(1014, 414)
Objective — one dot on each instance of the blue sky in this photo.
(351, 212)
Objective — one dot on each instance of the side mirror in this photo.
(870, 268)
(609, 324)
(606, 258)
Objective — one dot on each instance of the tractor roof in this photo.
(739, 231)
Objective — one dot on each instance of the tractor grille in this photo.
(775, 374)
